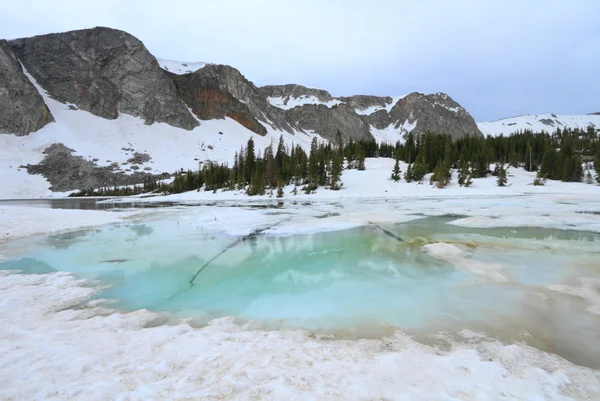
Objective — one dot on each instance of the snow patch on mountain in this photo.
(179, 67)
(288, 102)
(388, 134)
(113, 142)
(374, 109)
(547, 122)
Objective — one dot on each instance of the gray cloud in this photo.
(497, 58)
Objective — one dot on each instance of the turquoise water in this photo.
(357, 281)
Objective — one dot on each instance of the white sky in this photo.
(497, 58)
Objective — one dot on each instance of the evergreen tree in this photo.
(469, 181)
(337, 162)
(250, 159)
(396, 171)
(463, 173)
(360, 159)
(441, 175)
(408, 176)
(502, 175)
(597, 166)
(588, 178)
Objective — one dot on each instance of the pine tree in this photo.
(588, 178)
(597, 166)
(360, 159)
(337, 162)
(463, 172)
(469, 181)
(441, 175)
(396, 171)
(502, 178)
(408, 176)
(280, 192)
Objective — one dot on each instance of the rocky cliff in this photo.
(104, 71)
(107, 72)
(356, 116)
(209, 100)
(231, 80)
(327, 121)
(22, 109)
(437, 113)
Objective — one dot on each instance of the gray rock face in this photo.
(363, 102)
(380, 119)
(436, 113)
(295, 91)
(22, 109)
(66, 172)
(326, 121)
(104, 71)
(208, 100)
(231, 80)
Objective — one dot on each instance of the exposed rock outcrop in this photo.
(380, 119)
(364, 102)
(295, 91)
(104, 71)
(66, 172)
(208, 100)
(326, 121)
(22, 108)
(231, 80)
(436, 113)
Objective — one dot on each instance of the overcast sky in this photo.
(497, 58)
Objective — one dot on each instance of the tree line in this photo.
(556, 156)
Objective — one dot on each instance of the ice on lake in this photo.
(359, 282)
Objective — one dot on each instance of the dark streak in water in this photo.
(252, 235)
(389, 233)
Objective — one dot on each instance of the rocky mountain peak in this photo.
(104, 71)
(291, 91)
(363, 103)
(22, 109)
(439, 113)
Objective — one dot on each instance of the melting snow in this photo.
(288, 102)
(179, 67)
(537, 122)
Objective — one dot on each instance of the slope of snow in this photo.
(547, 122)
(115, 141)
(288, 102)
(388, 134)
(373, 109)
(179, 67)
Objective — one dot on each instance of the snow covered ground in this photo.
(375, 183)
(55, 351)
(59, 343)
(547, 122)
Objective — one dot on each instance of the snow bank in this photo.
(537, 122)
(289, 102)
(456, 256)
(180, 67)
(95, 353)
(17, 221)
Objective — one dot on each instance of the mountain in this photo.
(93, 107)
(103, 71)
(22, 109)
(547, 122)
